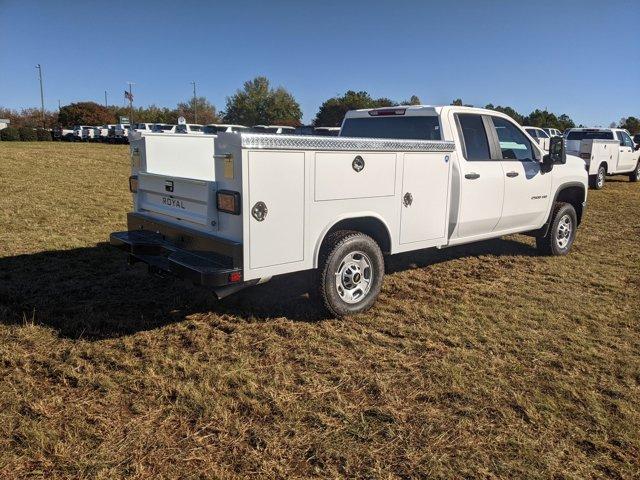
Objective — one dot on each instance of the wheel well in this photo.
(604, 164)
(575, 196)
(371, 226)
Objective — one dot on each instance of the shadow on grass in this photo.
(91, 293)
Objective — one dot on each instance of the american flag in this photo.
(128, 96)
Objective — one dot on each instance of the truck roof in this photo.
(418, 110)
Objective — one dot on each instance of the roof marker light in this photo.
(387, 112)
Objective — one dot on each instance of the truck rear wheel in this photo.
(635, 175)
(562, 231)
(597, 181)
(351, 269)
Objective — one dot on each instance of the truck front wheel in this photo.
(635, 175)
(597, 180)
(562, 231)
(351, 269)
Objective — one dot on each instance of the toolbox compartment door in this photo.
(278, 238)
(425, 190)
(341, 176)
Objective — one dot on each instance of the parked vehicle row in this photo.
(237, 211)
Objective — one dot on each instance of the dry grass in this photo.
(480, 361)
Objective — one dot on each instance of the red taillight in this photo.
(235, 277)
(388, 112)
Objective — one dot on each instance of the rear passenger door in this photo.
(481, 177)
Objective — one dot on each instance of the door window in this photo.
(532, 131)
(542, 134)
(513, 143)
(620, 138)
(626, 139)
(476, 145)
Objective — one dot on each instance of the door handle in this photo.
(472, 176)
(512, 174)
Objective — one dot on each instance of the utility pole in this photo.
(195, 108)
(58, 105)
(130, 104)
(41, 95)
(105, 98)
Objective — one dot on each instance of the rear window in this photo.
(411, 128)
(195, 128)
(589, 135)
(162, 127)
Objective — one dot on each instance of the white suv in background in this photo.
(539, 135)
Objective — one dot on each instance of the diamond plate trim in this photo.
(302, 142)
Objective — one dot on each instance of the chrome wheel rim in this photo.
(563, 235)
(354, 277)
(600, 178)
(638, 172)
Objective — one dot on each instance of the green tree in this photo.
(507, 111)
(564, 122)
(85, 113)
(259, 104)
(205, 110)
(631, 123)
(333, 110)
(542, 119)
(414, 100)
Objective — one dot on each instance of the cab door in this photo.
(481, 180)
(627, 157)
(527, 187)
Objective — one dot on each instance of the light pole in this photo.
(195, 108)
(41, 95)
(130, 104)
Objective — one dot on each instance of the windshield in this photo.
(414, 128)
(590, 134)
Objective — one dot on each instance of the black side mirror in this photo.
(556, 152)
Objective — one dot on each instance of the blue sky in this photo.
(580, 58)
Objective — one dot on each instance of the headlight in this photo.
(228, 201)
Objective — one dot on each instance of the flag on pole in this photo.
(128, 96)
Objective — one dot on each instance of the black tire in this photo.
(562, 231)
(334, 258)
(597, 181)
(635, 175)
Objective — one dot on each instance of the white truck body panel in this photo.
(616, 157)
(425, 193)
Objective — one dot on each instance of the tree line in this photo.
(257, 102)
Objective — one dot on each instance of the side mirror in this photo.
(556, 152)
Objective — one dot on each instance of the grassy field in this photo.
(480, 361)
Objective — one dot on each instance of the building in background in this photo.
(4, 123)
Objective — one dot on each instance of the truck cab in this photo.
(395, 180)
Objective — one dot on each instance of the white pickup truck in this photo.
(396, 180)
(606, 151)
